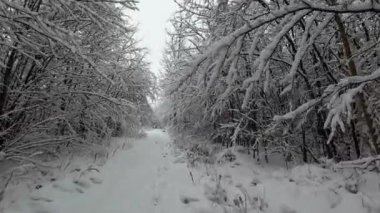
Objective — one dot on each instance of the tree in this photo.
(71, 73)
(284, 76)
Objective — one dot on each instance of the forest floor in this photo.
(153, 175)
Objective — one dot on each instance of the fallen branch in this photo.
(363, 163)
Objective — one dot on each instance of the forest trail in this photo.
(153, 176)
(143, 179)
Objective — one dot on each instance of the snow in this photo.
(356, 7)
(338, 106)
(144, 178)
(301, 109)
(305, 188)
(359, 79)
(261, 62)
(152, 175)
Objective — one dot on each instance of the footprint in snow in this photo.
(79, 190)
(69, 188)
(156, 200)
(96, 180)
(64, 188)
(187, 199)
(82, 183)
(38, 198)
(334, 198)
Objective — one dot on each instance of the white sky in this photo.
(152, 19)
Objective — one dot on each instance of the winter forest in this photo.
(260, 106)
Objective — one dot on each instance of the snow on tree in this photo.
(279, 75)
(72, 73)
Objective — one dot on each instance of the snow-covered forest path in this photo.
(145, 178)
(152, 175)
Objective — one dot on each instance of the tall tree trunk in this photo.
(360, 101)
(6, 76)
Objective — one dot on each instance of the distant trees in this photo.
(287, 76)
(71, 73)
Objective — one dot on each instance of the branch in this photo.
(360, 163)
(333, 89)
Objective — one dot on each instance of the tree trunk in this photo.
(356, 141)
(6, 80)
(304, 147)
(361, 103)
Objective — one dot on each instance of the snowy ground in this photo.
(144, 178)
(153, 176)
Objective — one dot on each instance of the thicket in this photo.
(299, 78)
(72, 75)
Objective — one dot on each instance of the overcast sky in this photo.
(152, 19)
